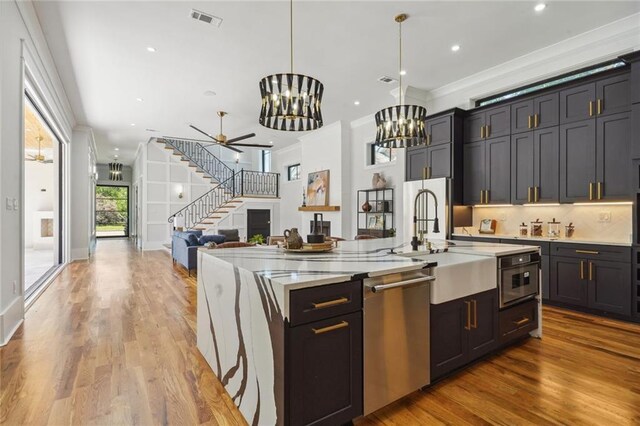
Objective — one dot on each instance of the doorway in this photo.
(42, 199)
(258, 222)
(112, 211)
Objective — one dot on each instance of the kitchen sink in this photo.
(459, 275)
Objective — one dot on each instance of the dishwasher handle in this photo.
(382, 287)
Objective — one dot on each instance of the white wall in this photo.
(82, 193)
(290, 191)
(38, 177)
(23, 52)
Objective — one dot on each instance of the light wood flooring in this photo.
(112, 342)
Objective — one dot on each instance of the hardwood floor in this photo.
(112, 341)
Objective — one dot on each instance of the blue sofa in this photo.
(184, 247)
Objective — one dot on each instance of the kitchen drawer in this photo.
(475, 239)
(544, 245)
(318, 303)
(591, 251)
(518, 320)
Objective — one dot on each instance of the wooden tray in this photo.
(312, 248)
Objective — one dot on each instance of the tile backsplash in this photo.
(612, 223)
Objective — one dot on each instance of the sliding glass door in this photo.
(112, 211)
(42, 199)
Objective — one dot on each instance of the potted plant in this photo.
(257, 239)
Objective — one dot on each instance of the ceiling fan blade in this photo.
(239, 138)
(192, 140)
(254, 145)
(230, 147)
(203, 132)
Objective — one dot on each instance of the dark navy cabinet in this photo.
(578, 161)
(535, 166)
(487, 124)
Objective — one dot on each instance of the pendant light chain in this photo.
(400, 59)
(291, 32)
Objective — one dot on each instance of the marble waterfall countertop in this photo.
(359, 259)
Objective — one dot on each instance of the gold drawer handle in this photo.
(590, 108)
(599, 106)
(330, 303)
(529, 121)
(535, 120)
(475, 314)
(341, 324)
(523, 321)
(468, 326)
(587, 252)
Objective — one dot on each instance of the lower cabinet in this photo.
(591, 283)
(463, 330)
(324, 359)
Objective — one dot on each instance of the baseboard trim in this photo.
(11, 319)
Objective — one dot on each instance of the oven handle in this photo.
(382, 287)
(521, 266)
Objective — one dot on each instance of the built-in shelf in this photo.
(319, 208)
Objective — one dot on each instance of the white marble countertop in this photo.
(294, 270)
(548, 239)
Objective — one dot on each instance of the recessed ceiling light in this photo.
(356, 103)
(151, 49)
(403, 72)
(540, 7)
(270, 142)
(115, 156)
(133, 124)
(209, 93)
(139, 99)
(455, 47)
(117, 149)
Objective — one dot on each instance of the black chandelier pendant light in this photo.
(115, 171)
(291, 102)
(401, 126)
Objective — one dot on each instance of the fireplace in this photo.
(325, 227)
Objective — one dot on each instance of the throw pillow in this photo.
(192, 240)
(218, 239)
(230, 234)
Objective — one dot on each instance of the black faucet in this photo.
(436, 222)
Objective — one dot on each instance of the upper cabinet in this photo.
(607, 96)
(535, 166)
(439, 130)
(487, 168)
(536, 113)
(486, 124)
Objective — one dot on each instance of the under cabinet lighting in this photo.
(540, 7)
(541, 204)
(607, 203)
(493, 205)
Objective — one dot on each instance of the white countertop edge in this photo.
(545, 239)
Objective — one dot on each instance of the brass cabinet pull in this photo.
(535, 194)
(341, 324)
(599, 106)
(529, 194)
(428, 139)
(535, 120)
(582, 269)
(522, 321)
(590, 108)
(482, 132)
(529, 121)
(590, 191)
(487, 193)
(475, 314)
(429, 172)
(587, 252)
(468, 326)
(599, 190)
(590, 271)
(328, 304)
(487, 132)
(424, 172)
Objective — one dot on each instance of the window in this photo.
(293, 172)
(380, 155)
(112, 211)
(265, 160)
(549, 83)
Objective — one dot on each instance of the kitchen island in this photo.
(263, 320)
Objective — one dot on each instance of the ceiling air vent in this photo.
(386, 79)
(205, 17)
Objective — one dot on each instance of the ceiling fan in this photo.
(222, 140)
(39, 157)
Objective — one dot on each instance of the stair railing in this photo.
(204, 206)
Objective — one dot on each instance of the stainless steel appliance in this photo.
(518, 278)
(396, 336)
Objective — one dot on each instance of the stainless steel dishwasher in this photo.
(396, 337)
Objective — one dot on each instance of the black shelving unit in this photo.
(380, 219)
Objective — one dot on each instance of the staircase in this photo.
(230, 188)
